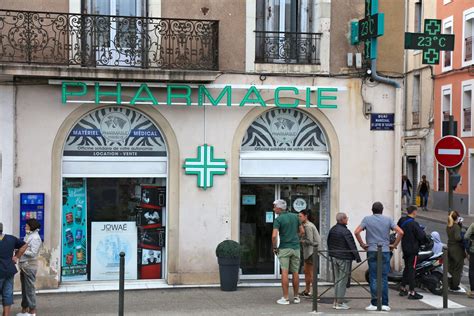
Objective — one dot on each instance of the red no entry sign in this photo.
(450, 151)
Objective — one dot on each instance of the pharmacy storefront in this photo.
(164, 172)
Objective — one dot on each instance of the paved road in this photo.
(441, 229)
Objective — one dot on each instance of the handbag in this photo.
(418, 200)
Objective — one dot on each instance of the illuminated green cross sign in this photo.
(205, 166)
(431, 41)
(368, 29)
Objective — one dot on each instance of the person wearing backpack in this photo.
(469, 237)
(412, 239)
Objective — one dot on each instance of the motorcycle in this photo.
(428, 271)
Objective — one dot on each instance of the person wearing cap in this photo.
(28, 266)
(413, 238)
(288, 227)
(8, 258)
(378, 227)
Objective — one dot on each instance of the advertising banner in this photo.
(74, 230)
(108, 239)
(115, 131)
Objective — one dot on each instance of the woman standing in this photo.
(28, 266)
(424, 192)
(456, 252)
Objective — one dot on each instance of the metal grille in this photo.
(101, 40)
(287, 47)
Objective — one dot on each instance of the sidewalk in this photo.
(441, 217)
(245, 301)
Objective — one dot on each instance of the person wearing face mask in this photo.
(28, 266)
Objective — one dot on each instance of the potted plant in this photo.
(228, 257)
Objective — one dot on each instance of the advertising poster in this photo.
(74, 230)
(31, 206)
(108, 239)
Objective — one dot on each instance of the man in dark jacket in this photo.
(342, 250)
(413, 238)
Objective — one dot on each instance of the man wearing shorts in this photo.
(288, 226)
(8, 244)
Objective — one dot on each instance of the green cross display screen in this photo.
(369, 27)
(431, 41)
(422, 41)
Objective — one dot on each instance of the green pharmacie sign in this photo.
(200, 95)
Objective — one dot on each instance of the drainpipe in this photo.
(397, 152)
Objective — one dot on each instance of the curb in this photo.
(438, 312)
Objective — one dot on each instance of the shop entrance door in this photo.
(256, 223)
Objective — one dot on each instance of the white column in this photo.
(7, 151)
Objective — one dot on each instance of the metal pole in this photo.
(445, 277)
(121, 282)
(315, 277)
(379, 277)
(450, 170)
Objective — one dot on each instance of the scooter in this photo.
(428, 271)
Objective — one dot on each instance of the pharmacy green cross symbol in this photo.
(205, 166)
(431, 41)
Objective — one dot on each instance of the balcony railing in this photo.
(468, 48)
(287, 47)
(101, 41)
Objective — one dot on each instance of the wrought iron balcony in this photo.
(107, 41)
(287, 47)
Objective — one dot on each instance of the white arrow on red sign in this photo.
(450, 151)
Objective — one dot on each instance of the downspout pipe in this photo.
(376, 77)
(397, 147)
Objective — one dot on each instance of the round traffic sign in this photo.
(450, 151)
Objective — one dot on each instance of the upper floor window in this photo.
(468, 31)
(447, 55)
(416, 100)
(446, 103)
(418, 16)
(285, 32)
(467, 108)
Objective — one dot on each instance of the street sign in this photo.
(431, 41)
(382, 121)
(450, 151)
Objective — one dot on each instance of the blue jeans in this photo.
(372, 259)
(6, 291)
(424, 199)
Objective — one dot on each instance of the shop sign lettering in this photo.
(177, 94)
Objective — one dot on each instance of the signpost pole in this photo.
(450, 170)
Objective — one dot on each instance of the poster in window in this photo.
(74, 230)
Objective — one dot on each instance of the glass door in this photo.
(256, 223)
(117, 40)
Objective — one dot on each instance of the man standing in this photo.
(423, 190)
(342, 250)
(413, 237)
(8, 244)
(469, 236)
(310, 239)
(288, 226)
(406, 190)
(378, 227)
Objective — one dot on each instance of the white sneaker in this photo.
(386, 308)
(296, 300)
(23, 314)
(371, 308)
(460, 290)
(342, 306)
(283, 301)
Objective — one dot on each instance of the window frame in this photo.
(446, 90)
(447, 22)
(467, 85)
(467, 15)
(418, 87)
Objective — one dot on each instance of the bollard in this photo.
(121, 282)
(315, 277)
(445, 277)
(379, 277)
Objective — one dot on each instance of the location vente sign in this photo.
(182, 94)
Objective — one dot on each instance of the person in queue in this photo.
(310, 239)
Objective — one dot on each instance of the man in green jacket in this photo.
(289, 228)
(470, 237)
